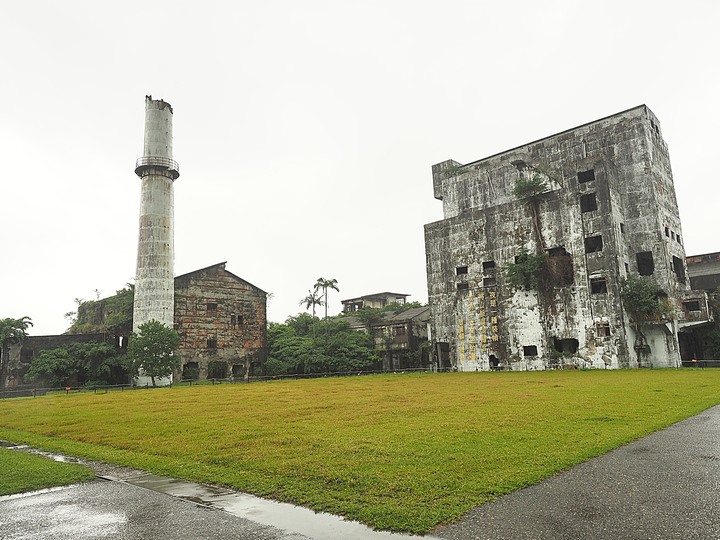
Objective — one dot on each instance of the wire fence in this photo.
(32, 391)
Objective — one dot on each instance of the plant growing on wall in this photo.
(527, 271)
(532, 189)
(642, 299)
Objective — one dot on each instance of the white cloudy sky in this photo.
(305, 130)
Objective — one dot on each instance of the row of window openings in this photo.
(645, 264)
(235, 320)
(672, 235)
(602, 329)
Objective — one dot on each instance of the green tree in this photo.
(53, 368)
(12, 331)
(98, 363)
(642, 299)
(527, 270)
(152, 350)
(326, 284)
(312, 299)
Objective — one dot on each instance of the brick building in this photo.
(607, 210)
(220, 318)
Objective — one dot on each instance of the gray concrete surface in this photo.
(664, 486)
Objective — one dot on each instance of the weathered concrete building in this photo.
(704, 271)
(377, 300)
(606, 210)
(399, 337)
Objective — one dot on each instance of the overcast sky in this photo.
(306, 130)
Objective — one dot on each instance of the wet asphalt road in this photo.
(664, 486)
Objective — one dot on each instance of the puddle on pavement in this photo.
(284, 516)
(297, 519)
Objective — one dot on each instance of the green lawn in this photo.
(20, 472)
(398, 452)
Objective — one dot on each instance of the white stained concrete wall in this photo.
(154, 279)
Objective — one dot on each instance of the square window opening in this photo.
(463, 286)
(586, 176)
(679, 269)
(645, 263)
(598, 285)
(460, 270)
(530, 350)
(588, 202)
(488, 265)
(212, 343)
(212, 308)
(692, 305)
(602, 329)
(593, 244)
(489, 282)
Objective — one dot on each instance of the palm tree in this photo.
(11, 331)
(312, 299)
(326, 284)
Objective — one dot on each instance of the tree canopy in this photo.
(305, 344)
(152, 351)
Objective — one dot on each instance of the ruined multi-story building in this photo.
(596, 203)
(400, 337)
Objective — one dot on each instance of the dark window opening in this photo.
(462, 286)
(494, 362)
(677, 237)
(679, 269)
(238, 371)
(560, 266)
(667, 232)
(191, 371)
(212, 308)
(233, 320)
(461, 270)
(622, 227)
(692, 305)
(488, 265)
(588, 202)
(602, 329)
(566, 345)
(598, 285)
(645, 263)
(593, 244)
(399, 331)
(489, 282)
(212, 343)
(586, 176)
(530, 350)
(627, 267)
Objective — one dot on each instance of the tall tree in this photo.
(326, 284)
(314, 298)
(11, 331)
(152, 350)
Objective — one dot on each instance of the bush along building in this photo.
(564, 252)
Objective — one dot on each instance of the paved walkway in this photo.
(664, 486)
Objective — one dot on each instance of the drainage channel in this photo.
(291, 518)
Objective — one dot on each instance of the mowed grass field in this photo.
(398, 452)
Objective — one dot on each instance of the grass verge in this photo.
(20, 472)
(402, 453)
